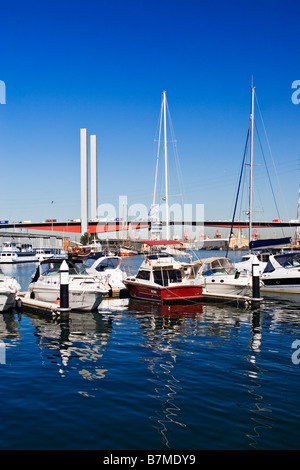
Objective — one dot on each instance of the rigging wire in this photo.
(176, 156)
(239, 184)
(267, 170)
(271, 154)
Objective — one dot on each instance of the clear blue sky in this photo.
(104, 64)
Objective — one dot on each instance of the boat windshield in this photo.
(220, 266)
(289, 260)
(53, 269)
(106, 263)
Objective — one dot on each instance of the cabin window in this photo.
(174, 276)
(288, 260)
(160, 277)
(142, 274)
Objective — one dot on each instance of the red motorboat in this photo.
(162, 279)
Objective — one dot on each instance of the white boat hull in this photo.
(7, 301)
(282, 285)
(228, 287)
(15, 258)
(78, 299)
(9, 288)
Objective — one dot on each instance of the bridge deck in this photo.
(116, 226)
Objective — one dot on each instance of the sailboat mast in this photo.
(251, 165)
(166, 167)
(158, 149)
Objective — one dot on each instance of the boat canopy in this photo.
(213, 265)
(269, 243)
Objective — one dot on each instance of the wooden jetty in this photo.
(38, 306)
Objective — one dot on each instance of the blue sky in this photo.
(104, 64)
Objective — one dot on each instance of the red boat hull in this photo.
(163, 294)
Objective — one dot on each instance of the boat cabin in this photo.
(161, 269)
(211, 266)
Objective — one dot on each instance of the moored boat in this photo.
(107, 268)
(282, 274)
(9, 288)
(219, 276)
(161, 278)
(126, 252)
(85, 291)
(260, 251)
(11, 253)
(46, 253)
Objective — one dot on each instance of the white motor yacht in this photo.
(282, 274)
(11, 253)
(219, 276)
(46, 253)
(107, 268)
(260, 252)
(85, 291)
(245, 265)
(9, 288)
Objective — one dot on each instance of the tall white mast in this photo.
(166, 166)
(158, 149)
(251, 164)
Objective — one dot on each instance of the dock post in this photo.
(64, 287)
(255, 286)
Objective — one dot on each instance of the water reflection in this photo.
(260, 418)
(215, 352)
(162, 325)
(81, 337)
(9, 327)
(172, 331)
(169, 331)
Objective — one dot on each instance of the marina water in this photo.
(139, 376)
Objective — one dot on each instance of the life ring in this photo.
(148, 261)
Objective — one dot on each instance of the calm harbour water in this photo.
(140, 376)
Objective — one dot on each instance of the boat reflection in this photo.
(80, 339)
(155, 308)
(9, 327)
